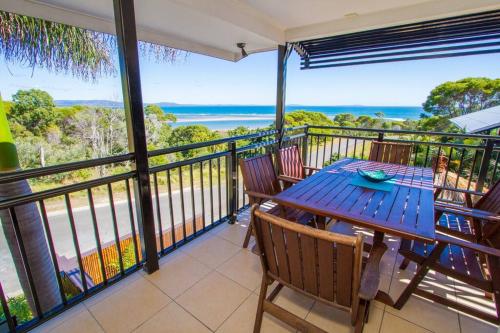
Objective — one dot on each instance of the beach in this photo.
(225, 117)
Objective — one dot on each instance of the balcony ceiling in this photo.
(214, 27)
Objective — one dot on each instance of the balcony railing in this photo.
(195, 188)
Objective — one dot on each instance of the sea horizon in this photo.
(226, 117)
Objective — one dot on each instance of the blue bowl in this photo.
(376, 176)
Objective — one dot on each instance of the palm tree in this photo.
(57, 48)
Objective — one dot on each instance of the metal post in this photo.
(305, 145)
(485, 163)
(380, 136)
(283, 54)
(132, 99)
(232, 181)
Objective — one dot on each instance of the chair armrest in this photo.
(259, 195)
(288, 179)
(470, 245)
(370, 278)
(311, 168)
(468, 212)
(467, 193)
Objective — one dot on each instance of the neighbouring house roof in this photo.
(479, 121)
(214, 27)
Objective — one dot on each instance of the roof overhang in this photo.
(479, 121)
(214, 27)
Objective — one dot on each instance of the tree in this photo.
(153, 109)
(184, 135)
(33, 109)
(303, 117)
(456, 98)
(57, 48)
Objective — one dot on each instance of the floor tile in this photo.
(77, 319)
(292, 301)
(213, 299)
(108, 291)
(474, 325)
(129, 307)
(177, 273)
(235, 233)
(244, 268)
(243, 320)
(394, 324)
(432, 316)
(211, 250)
(172, 319)
(336, 320)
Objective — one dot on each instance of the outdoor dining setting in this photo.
(326, 233)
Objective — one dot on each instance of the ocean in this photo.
(224, 117)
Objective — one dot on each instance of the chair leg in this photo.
(420, 275)
(260, 307)
(360, 321)
(404, 264)
(247, 236)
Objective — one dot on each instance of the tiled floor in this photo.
(212, 285)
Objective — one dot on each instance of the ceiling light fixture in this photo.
(242, 47)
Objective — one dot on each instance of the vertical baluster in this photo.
(447, 166)
(202, 196)
(338, 150)
(427, 155)
(52, 250)
(331, 149)
(310, 149)
(193, 208)
(132, 221)
(493, 176)
(219, 193)
(158, 210)
(211, 191)
(171, 210)
(324, 151)
(115, 228)
(415, 156)
(183, 213)
(346, 148)
(436, 163)
(460, 167)
(363, 150)
(317, 151)
(6, 311)
(97, 236)
(354, 152)
(471, 174)
(75, 242)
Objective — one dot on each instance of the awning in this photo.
(442, 38)
(479, 121)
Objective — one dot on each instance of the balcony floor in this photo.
(212, 285)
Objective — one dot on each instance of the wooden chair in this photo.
(467, 248)
(316, 263)
(290, 164)
(390, 152)
(261, 184)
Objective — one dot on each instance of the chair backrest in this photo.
(315, 262)
(290, 162)
(390, 152)
(491, 202)
(259, 175)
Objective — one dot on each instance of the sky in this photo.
(198, 79)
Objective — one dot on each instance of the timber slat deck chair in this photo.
(317, 263)
(291, 166)
(261, 183)
(466, 249)
(390, 152)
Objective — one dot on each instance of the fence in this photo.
(195, 188)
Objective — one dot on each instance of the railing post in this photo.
(232, 187)
(305, 145)
(132, 99)
(485, 163)
(380, 136)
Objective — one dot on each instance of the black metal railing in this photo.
(195, 188)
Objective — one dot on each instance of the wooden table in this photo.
(406, 211)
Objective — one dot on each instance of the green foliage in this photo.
(155, 110)
(184, 135)
(18, 306)
(456, 98)
(33, 109)
(62, 48)
(303, 117)
(8, 154)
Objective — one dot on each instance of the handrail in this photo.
(60, 168)
(377, 130)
